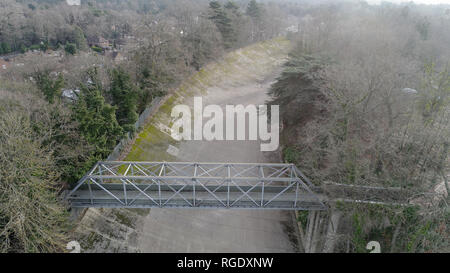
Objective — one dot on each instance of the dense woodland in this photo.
(48, 140)
(364, 98)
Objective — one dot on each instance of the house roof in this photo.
(70, 93)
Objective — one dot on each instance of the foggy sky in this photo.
(415, 1)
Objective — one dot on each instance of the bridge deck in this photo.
(194, 185)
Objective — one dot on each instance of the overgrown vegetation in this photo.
(31, 217)
(97, 119)
(368, 114)
(364, 99)
(51, 88)
(125, 96)
(83, 76)
(397, 228)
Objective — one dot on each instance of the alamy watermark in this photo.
(229, 126)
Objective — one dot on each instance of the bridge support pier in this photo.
(313, 230)
(332, 235)
(321, 231)
(77, 213)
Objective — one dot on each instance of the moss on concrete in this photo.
(151, 143)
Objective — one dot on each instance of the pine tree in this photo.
(237, 20)
(232, 7)
(51, 88)
(253, 10)
(6, 48)
(97, 119)
(79, 39)
(71, 48)
(223, 23)
(125, 96)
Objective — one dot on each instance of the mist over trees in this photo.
(31, 24)
(364, 100)
(74, 80)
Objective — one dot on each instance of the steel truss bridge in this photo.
(121, 184)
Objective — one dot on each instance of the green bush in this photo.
(6, 48)
(290, 154)
(97, 49)
(35, 47)
(70, 48)
(51, 88)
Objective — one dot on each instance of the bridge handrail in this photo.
(238, 178)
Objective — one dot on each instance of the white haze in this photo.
(416, 1)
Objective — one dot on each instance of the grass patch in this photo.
(303, 218)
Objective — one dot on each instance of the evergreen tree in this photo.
(232, 7)
(125, 96)
(70, 48)
(6, 48)
(151, 84)
(423, 27)
(253, 10)
(222, 22)
(23, 49)
(51, 88)
(79, 39)
(237, 20)
(43, 46)
(97, 119)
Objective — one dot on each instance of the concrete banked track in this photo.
(242, 77)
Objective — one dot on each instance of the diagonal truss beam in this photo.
(195, 185)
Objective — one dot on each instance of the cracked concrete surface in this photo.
(205, 230)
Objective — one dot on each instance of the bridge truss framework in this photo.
(126, 184)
